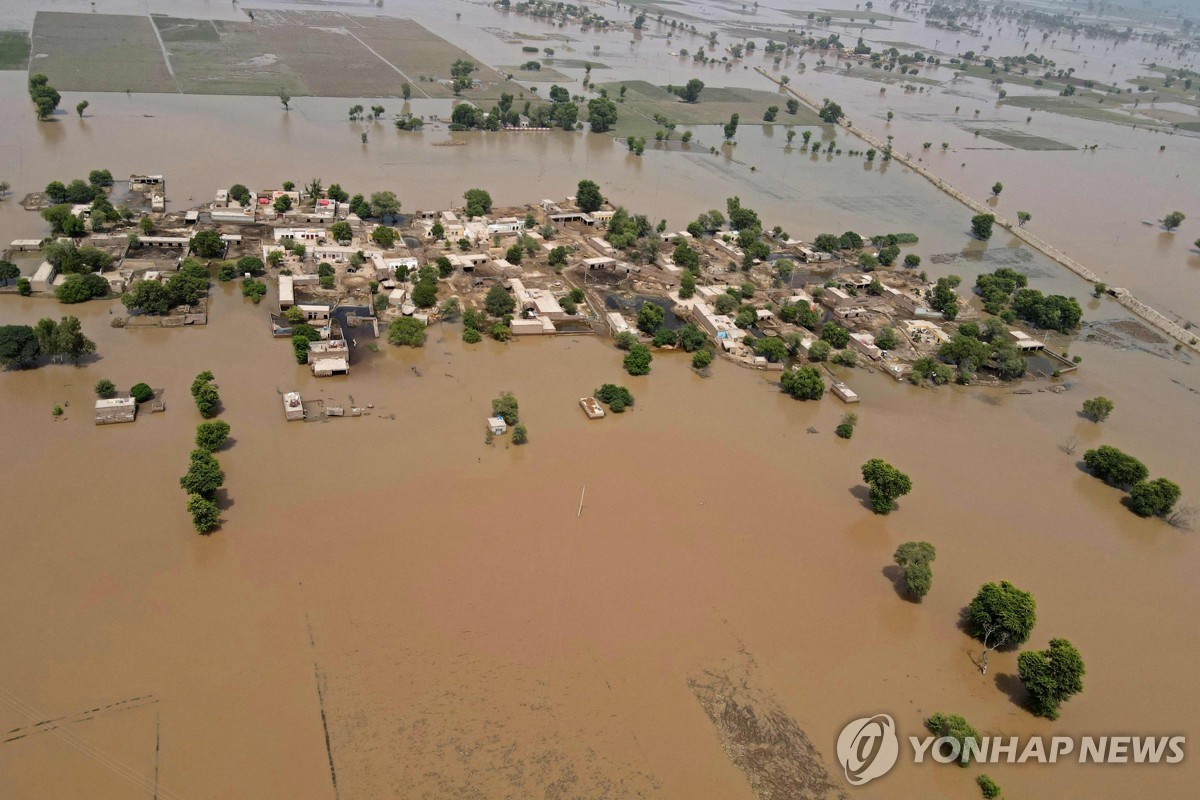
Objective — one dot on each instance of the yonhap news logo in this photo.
(869, 747)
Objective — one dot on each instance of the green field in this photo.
(643, 100)
(320, 53)
(14, 49)
(1084, 106)
(1020, 140)
(99, 52)
(545, 74)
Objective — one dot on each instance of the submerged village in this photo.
(351, 269)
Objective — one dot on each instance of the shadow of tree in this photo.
(895, 574)
(1011, 685)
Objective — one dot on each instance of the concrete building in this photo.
(326, 367)
(505, 226)
(25, 245)
(43, 278)
(844, 393)
(923, 332)
(497, 426)
(836, 298)
(1025, 342)
(865, 344)
(300, 234)
(849, 312)
(287, 292)
(616, 323)
(116, 409)
(599, 262)
(719, 326)
(591, 407)
(293, 407)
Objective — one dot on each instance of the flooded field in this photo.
(626, 608)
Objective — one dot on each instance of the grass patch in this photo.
(643, 100)
(14, 49)
(543, 75)
(1084, 106)
(573, 63)
(99, 53)
(225, 58)
(1020, 140)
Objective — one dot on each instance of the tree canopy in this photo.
(1051, 676)
(886, 484)
(1001, 615)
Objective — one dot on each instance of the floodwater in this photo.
(393, 608)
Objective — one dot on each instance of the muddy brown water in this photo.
(442, 606)
(472, 636)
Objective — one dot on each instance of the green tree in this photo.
(690, 92)
(952, 726)
(835, 335)
(148, 297)
(385, 205)
(1001, 615)
(819, 351)
(602, 114)
(283, 204)
(479, 202)
(341, 231)
(239, 193)
(803, 383)
(588, 196)
(407, 331)
(105, 388)
(886, 338)
(650, 318)
(514, 254)
(208, 401)
(1097, 409)
(384, 236)
(914, 559)
(206, 516)
(520, 434)
(498, 302)
(1023, 217)
(1051, 676)
(204, 476)
(81, 288)
(731, 127)
(141, 392)
(506, 406)
(211, 436)
(1154, 498)
(69, 341)
(207, 244)
(830, 112)
(18, 346)
(637, 360)
(988, 787)
(1115, 467)
(687, 286)
(997, 188)
(285, 99)
(81, 107)
(1173, 220)
(981, 225)
(886, 484)
(618, 398)
(701, 359)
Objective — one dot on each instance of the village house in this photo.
(923, 332)
(300, 234)
(844, 393)
(505, 226)
(1025, 342)
(865, 344)
(719, 326)
(43, 278)
(836, 298)
(116, 409)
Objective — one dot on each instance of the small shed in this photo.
(497, 426)
(591, 407)
(116, 409)
(293, 406)
(844, 393)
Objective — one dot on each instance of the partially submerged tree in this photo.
(914, 559)
(1051, 676)
(886, 484)
(1001, 615)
